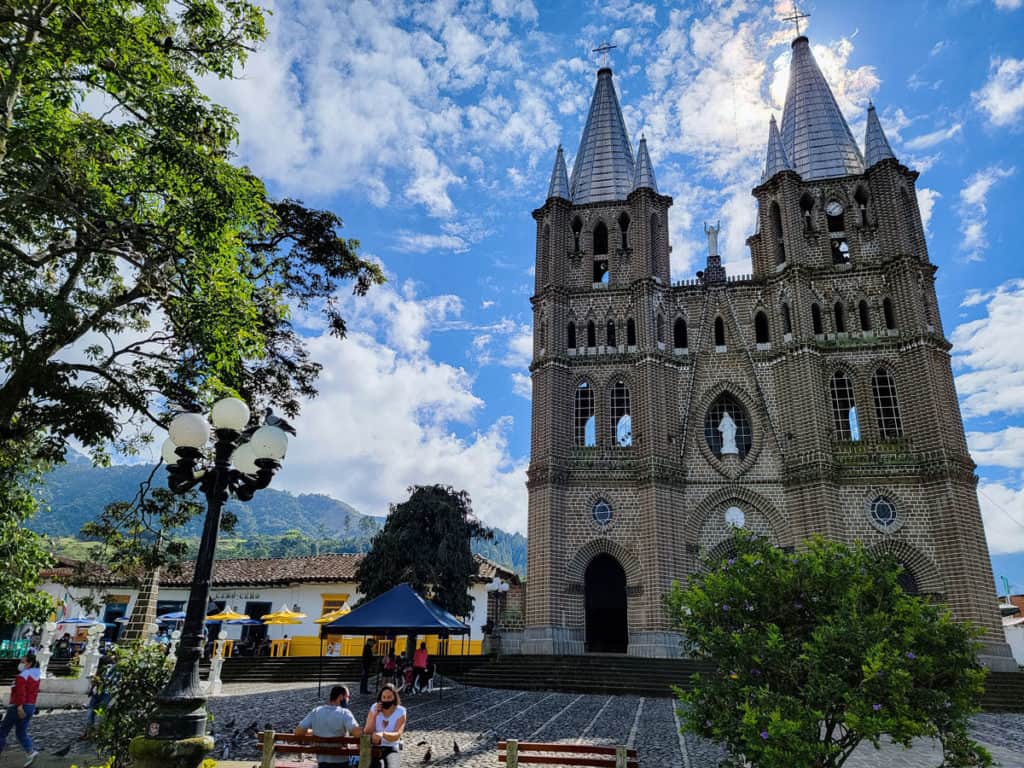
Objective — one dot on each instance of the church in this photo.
(813, 396)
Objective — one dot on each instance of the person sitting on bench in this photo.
(386, 723)
(331, 720)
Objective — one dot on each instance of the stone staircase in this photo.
(615, 674)
(295, 669)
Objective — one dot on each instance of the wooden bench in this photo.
(272, 744)
(515, 753)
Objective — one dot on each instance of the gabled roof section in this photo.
(777, 160)
(815, 134)
(643, 176)
(876, 146)
(603, 169)
(559, 186)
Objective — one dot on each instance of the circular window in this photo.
(727, 427)
(602, 512)
(734, 517)
(883, 512)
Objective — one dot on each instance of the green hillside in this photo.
(274, 524)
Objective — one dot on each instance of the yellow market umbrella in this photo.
(227, 616)
(337, 613)
(284, 613)
(281, 620)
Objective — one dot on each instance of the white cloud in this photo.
(929, 140)
(988, 355)
(423, 243)
(522, 385)
(926, 199)
(1004, 448)
(1002, 510)
(1009, 5)
(973, 209)
(1001, 98)
(385, 415)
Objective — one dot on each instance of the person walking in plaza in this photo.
(420, 659)
(368, 661)
(386, 723)
(331, 720)
(19, 713)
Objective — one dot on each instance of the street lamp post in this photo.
(242, 461)
(499, 587)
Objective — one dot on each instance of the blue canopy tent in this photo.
(399, 611)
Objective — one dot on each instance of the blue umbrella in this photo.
(246, 622)
(176, 616)
(78, 620)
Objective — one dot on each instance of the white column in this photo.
(45, 642)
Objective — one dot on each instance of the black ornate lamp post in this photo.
(242, 461)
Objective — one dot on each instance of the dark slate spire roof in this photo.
(604, 162)
(815, 135)
(777, 160)
(643, 178)
(876, 146)
(559, 186)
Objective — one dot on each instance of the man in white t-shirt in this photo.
(331, 720)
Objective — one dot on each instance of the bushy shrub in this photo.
(138, 673)
(817, 651)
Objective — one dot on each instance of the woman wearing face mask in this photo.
(386, 724)
(23, 705)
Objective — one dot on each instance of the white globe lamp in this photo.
(189, 430)
(244, 459)
(230, 413)
(167, 452)
(269, 443)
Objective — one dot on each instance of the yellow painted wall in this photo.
(353, 646)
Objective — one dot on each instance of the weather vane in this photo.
(603, 49)
(795, 18)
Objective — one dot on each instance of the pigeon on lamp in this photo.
(276, 421)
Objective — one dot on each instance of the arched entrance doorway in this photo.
(605, 597)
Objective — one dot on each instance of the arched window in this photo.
(679, 340)
(890, 317)
(834, 216)
(585, 426)
(840, 315)
(760, 328)
(719, 332)
(624, 230)
(655, 232)
(601, 270)
(591, 334)
(577, 229)
(780, 242)
(865, 315)
(816, 323)
(887, 407)
(861, 198)
(600, 239)
(544, 255)
(570, 336)
(844, 407)
(630, 333)
(787, 320)
(621, 419)
(807, 210)
(720, 436)
(610, 333)
(659, 327)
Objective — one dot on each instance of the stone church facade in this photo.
(814, 396)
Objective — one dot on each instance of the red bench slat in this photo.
(591, 762)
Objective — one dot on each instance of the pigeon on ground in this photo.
(455, 747)
(230, 725)
(427, 756)
(421, 743)
(63, 751)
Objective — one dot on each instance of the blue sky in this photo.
(431, 128)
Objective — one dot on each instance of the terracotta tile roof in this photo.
(265, 571)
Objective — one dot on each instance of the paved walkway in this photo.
(475, 718)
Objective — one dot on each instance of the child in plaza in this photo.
(19, 713)
(330, 720)
(386, 723)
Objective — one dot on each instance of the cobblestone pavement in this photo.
(475, 719)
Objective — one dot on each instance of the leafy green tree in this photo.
(23, 553)
(817, 651)
(137, 263)
(425, 542)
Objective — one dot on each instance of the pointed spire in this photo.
(876, 146)
(559, 186)
(777, 160)
(815, 134)
(603, 169)
(643, 178)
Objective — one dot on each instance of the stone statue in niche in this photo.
(727, 427)
(712, 233)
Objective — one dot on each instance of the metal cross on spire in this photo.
(603, 49)
(795, 18)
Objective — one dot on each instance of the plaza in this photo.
(476, 718)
